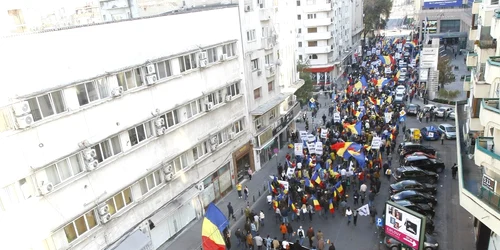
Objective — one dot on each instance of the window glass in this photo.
(184, 161)
(64, 169)
(58, 101)
(98, 152)
(121, 81)
(92, 92)
(102, 85)
(141, 134)
(75, 164)
(52, 175)
(45, 105)
(189, 114)
(150, 181)
(195, 153)
(120, 203)
(170, 119)
(157, 177)
(132, 135)
(130, 79)
(81, 94)
(91, 221)
(70, 232)
(161, 70)
(127, 194)
(177, 164)
(81, 226)
(138, 77)
(111, 205)
(143, 186)
(35, 110)
(115, 142)
(106, 149)
(149, 131)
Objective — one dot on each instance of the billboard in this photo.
(442, 3)
(431, 26)
(404, 225)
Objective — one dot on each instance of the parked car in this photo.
(452, 114)
(424, 162)
(430, 243)
(412, 185)
(442, 111)
(399, 97)
(449, 131)
(415, 197)
(420, 208)
(406, 148)
(421, 154)
(430, 133)
(429, 107)
(413, 109)
(415, 173)
(400, 89)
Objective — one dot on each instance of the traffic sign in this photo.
(380, 223)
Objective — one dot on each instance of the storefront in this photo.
(216, 185)
(321, 76)
(242, 161)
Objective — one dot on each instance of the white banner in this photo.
(319, 148)
(388, 117)
(297, 148)
(303, 135)
(364, 210)
(376, 141)
(311, 138)
(336, 117)
(377, 52)
(323, 133)
(312, 147)
(290, 172)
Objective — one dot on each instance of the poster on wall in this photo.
(442, 3)
(431, 26)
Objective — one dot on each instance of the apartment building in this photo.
(479, 127)
(119, 134)
(329, 35)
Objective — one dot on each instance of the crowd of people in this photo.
(341, 159)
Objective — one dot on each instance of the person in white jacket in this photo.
(262, 216)
(301, 234)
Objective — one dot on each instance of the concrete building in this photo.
(329, 35)
(119, 134)
(479, 127)
(448, 20)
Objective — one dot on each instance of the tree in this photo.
(446, 74)
(304, 93)
(376, 14)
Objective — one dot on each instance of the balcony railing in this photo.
(487, 44)
(471, 60)
(467, 83)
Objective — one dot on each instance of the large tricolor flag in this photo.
(316, 204)
(213, 225)
(330, 207)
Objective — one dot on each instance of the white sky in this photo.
(43, 5)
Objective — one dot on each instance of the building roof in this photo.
(42, 61)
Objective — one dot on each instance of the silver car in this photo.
(449, 131)
(442, 111)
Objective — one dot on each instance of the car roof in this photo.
(430, 128)
(416, 157)
(430, 105)
(446, 125)
(409, 182)
(404, 203)
(408, 168)
(413, 105)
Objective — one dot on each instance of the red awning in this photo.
(320, 70)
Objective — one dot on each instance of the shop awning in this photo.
(136, 241)
(320, 70)
(262, 109)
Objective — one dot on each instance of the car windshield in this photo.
(398, 185)
(451, 129)
(442, 109)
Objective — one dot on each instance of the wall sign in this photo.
(489, 183)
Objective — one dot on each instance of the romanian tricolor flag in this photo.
(389, 99)
(355, 128)
(330, 206)
(316, 204)
(308, 182)
(339, 187)
(315, 178)
(213, 225)
(275, 204)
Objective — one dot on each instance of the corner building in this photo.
(118, 127)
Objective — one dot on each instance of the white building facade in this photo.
(329, 34)
(118, 127)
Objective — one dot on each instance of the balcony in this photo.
(313, 8)
(473, 34)
(270, 71)
(476, 5)
(492, 71)
(317, 50)
(481, 89)
(477, 186)
(317, 22)
(268, 42)
(265, 14)
(487, 44)
(490, 111)
(471, 59)
(467, 83)
(317, 36)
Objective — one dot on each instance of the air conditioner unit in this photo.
(168, 169)
(150, 68)
(232, 135)
(247, 8)
(24, 121)
(200, 186)
(21, 108)
(159, 122)
(203, 55)
(228, 98)
(213, 147)
(161, 131)
(203, 63)
(209, 106)
(223, 57)
(103, 210)
(46, 188)
(89, 154)
(169, 177)
(213, 140)
(150, 80)
(91, 165)
(259, 73)
(105, 218)
(118, 91)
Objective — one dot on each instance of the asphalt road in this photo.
(453, 224)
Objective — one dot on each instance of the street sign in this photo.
(376, 141)
(404, 225)
(380, 223)
(489, 183)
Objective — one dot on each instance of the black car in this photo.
(430, 243)
(416, 174)
(415, 197)
(420, 208)
(406, 148)
(424, 163)
(413, 109)
(412, 185)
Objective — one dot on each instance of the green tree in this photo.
(446, 74)
(304, 93)
(376, 14)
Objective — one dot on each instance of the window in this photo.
(200, 150)
(222, 137)
(311, 16)
(233, 89)
(258, 123)
(272, 114)
(140, 133)
(251, 35)
(298, 2)
(299, 31)
(64, 169)
(255, 64)
(171, 118)
(212, 55)
(193, 108)
(80, 226)
(119, 201)
(450, 26)
(300, 44)
(188, 62)
(107, 148)
(270, 86)
(149, 182)
(237, 126)
(300, 57)
(312, 30)
(228, 49)
(313, 56)
(312, 44)
(163, 69)
(180, 162)
(494, 2)
(256, 93)
(215, 97)
(130, 79)
(299, 17)
(92, 91)
(47, 105)
(269, 59)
